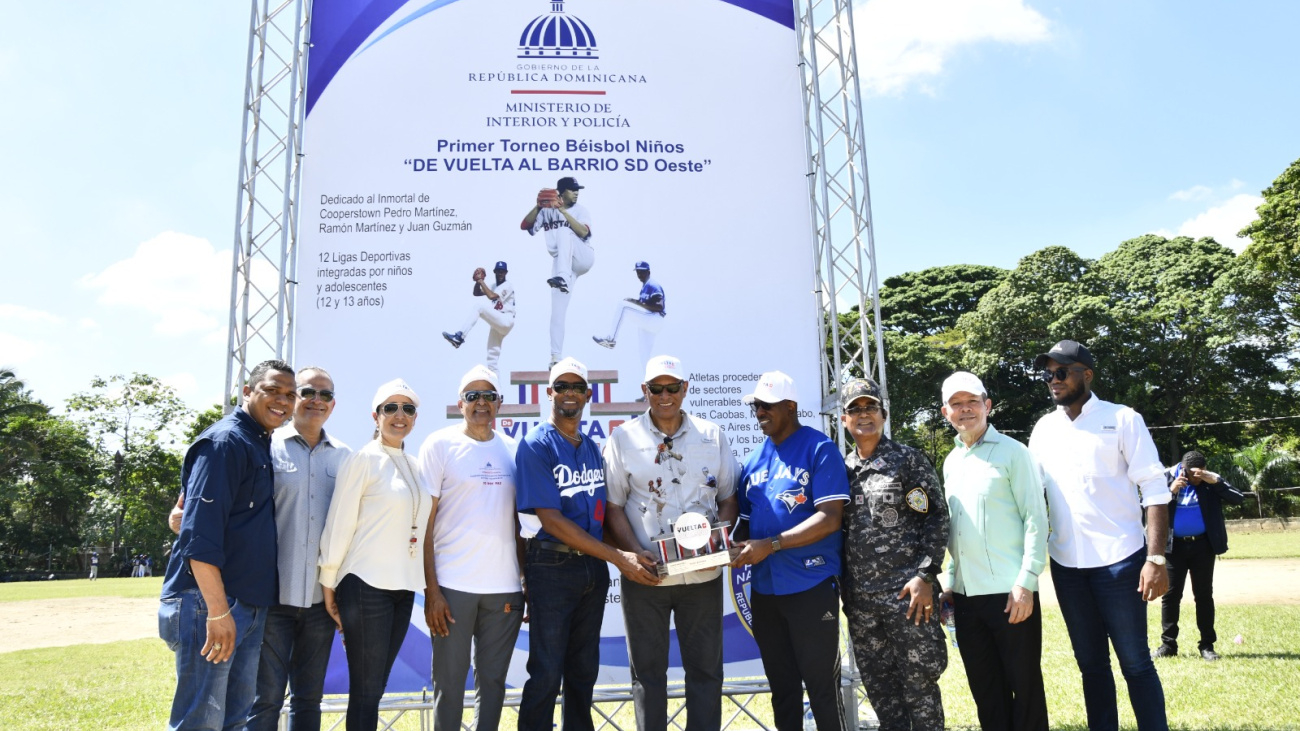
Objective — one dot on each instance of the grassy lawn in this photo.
(1280, 544)
(128, 685)
(17, 591)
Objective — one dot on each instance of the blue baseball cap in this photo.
(500, 267)
(568, 184)
(642, 266)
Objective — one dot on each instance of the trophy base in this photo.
(696, 563)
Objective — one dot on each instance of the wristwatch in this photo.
(1157, 560)
(776, 544)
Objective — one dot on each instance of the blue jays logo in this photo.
(557, 36)
(792, 498)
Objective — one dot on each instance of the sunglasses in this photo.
(391, 408)
(757, 406)
(325, 394)
(658, 388)
(472, 396)
(860, 410)
(562, 386)
(1057, 374)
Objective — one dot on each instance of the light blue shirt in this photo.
(998, 514)
(304, 485)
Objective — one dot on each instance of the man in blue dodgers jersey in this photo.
(793, 491)
(560, 478)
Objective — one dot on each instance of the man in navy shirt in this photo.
(792, 492)
(219, 582)
(560, 478)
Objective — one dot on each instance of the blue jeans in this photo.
(1103, 603)
(374, 624)
(295, 653)
(566, 606)
(210, 696)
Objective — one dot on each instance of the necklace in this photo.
(571, 437)
(408, 474)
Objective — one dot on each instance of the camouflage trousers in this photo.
(900, 662)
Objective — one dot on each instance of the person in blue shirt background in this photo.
(792, 493)
(1197, 535)
(218, 577)
(645, 312)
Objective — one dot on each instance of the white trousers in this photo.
(647, 323)
(500, 323)
(571, 258)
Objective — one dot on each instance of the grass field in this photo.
(17, 591)
(1281, 544)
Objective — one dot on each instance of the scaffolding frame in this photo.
(264, 266)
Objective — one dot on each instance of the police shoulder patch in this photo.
(917, 500)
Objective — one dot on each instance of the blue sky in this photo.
(994, 128)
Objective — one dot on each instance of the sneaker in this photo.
(603, 342)
(1209, 654)
(559, 283)
(456, 339)
(1164, 651)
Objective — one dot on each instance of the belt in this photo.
(556, 546)
(1189, 538)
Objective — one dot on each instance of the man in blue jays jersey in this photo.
(560, 478)
(645, 312)
(792, 492)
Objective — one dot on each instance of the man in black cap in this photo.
(497, 309)
(1101, 473)
(1197, 536)
(567, 226)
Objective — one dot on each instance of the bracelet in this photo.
(219, 616)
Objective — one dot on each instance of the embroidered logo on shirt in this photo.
(792, 498)
(814, 562)
(1109, 427)
(917, 500)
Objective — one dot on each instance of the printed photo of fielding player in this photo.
(567, 226)
(497, 309)
(645, 312)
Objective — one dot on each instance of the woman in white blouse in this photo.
(371, 552)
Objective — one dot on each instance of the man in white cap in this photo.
(560, 478)
(998, 544)
(792, 493)
(658, 466)
(472, 555)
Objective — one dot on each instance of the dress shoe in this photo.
(1164, 651)
(1209, 654)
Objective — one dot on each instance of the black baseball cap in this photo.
(568, 184)
(1065, 353)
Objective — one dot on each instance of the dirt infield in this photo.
(61, 622)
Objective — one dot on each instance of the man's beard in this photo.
(568, 413)
(1068, 397)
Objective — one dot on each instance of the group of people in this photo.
(496, 532)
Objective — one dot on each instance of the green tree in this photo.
(1275, 241)
(1262, 467)
(929, 302)
(203, 420)
(135, 423)
(15, 402)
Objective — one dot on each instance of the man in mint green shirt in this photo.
(998, 544)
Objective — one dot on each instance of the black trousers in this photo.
(798, 637)
(1190, 556)
(1003, 662)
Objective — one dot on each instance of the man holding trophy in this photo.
(671, 481)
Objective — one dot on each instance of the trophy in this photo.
(694, 543)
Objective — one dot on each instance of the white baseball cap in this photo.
(962, 381)
(773, 387)
(479, 373)
(663, 365)
(395, 387)
(568, 365)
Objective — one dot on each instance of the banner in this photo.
(674, 133)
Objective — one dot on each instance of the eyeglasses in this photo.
(472, 396)
(325, 394)
(757, 406)
(392, 407)
(562, 386)
(1058, 374)
(861, 410)
(658, 388)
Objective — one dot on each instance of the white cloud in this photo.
(15, 351)
(906, 42)
(28, 316)
(184, 383)
(1224, 221)
(180, 281)
(1194, 193)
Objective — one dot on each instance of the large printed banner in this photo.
(431, 127)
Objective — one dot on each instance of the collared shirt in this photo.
(1100, 470)
(781, 486)
(655, 484)
(896, 524)
(997, 534)
(304, 485)
(652, 293)
(377, 521)
(229, 519)
(550, 472)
